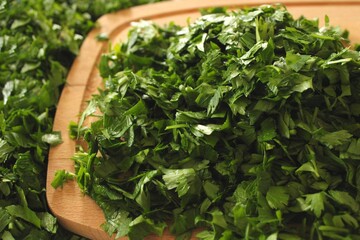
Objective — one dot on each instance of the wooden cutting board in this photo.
(79, 213)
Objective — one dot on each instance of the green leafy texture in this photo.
(144, 227)
(5, 219)
(24, 213)
(5, 150)
(61, 177)
(48, 222)
(244, 123)
(52, 138)
(7, 236)
(277, 197)
(268, 130)
(84, 163)
(38, 43)
(344, 198)
(179, 179)
(316, 202)
(295, 61)
(118, 223)
(334, 139)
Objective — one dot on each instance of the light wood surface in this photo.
(79, 213)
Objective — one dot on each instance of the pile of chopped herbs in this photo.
(245, 124)
(38, 43)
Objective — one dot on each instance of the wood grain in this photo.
(78, 212)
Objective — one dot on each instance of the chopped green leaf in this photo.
(52, 138)
(24, 213)
(61, 177)
(277, 197)
(244, 123)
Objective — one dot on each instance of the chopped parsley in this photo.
(244, 123)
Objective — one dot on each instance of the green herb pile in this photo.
(38, 43)
(245, 124)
